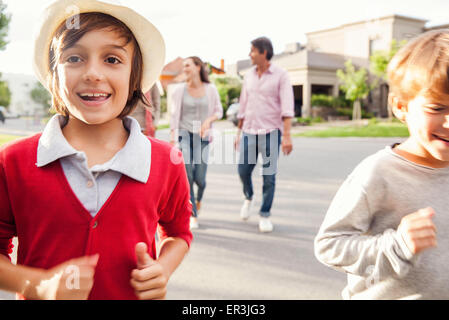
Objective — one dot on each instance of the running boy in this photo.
(86, 196)
(381, 227)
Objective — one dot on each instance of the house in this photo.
(172, 73)
(312, 67)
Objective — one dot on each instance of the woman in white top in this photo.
(195, 106)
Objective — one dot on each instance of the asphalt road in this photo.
(230, 259)
(21, 126)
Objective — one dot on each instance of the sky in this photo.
(223, 29)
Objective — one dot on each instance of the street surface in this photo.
(230, 259)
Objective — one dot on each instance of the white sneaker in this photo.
(194, 223)
(265, 225)
(245, 211)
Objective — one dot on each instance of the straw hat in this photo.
(148, 37)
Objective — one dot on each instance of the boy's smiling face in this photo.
(428, 123)
(94, 76)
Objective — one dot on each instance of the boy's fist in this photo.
(418, 230)
(143, 258)
(71, 280)
(148, 280)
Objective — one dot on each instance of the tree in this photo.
(5, 94)
(379, 61)
(354, 83)
(40, 95)
(5, 18)
(229, 89)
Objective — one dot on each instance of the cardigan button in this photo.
(95, 225)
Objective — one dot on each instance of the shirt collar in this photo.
(133, 160)
(269, 70)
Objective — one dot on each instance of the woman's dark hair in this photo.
(262, 44)
(204, 74)
(65, 38)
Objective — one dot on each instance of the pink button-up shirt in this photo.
(266, 100)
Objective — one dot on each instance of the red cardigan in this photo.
(38, 206)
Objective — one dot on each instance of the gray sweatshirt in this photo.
(359, 237)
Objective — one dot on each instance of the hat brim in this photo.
(147, 35)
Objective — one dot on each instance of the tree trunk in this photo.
(357, 111)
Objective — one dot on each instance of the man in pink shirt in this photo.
(266, 109)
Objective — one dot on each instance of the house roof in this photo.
(306, 59)
(173, 67)
(441, 26)
(393, 16)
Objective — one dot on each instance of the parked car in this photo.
(231, 113)
(6, 114)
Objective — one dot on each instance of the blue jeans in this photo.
(195, 152)
(250, 146)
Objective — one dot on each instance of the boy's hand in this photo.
(148, 280)
(71, 280)
(418, 230)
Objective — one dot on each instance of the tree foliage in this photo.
(354, 83)
(5, 94)
(380, 59)
(40, 95)
(5, 18)
(229, 89)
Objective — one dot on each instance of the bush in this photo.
(163, 103)
(341, 102)
(321, 100)
(308, 120)
(373, 121)
(228, 88)
(348, 112)
(5, 94)
(324, 100)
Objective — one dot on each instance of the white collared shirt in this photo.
(94, 186)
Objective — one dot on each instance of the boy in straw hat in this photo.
(86, 196)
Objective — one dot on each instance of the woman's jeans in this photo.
(250, 146)
(195, 152)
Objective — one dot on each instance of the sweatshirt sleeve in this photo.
(7, 224)
(175, 217)
(345, 242)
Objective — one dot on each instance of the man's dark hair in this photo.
(262, 44)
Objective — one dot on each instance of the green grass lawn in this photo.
(4, 138)
(163, 126)
(380, 129)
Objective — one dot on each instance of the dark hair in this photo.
(263, 44)
(204, 75)
(65, 38)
